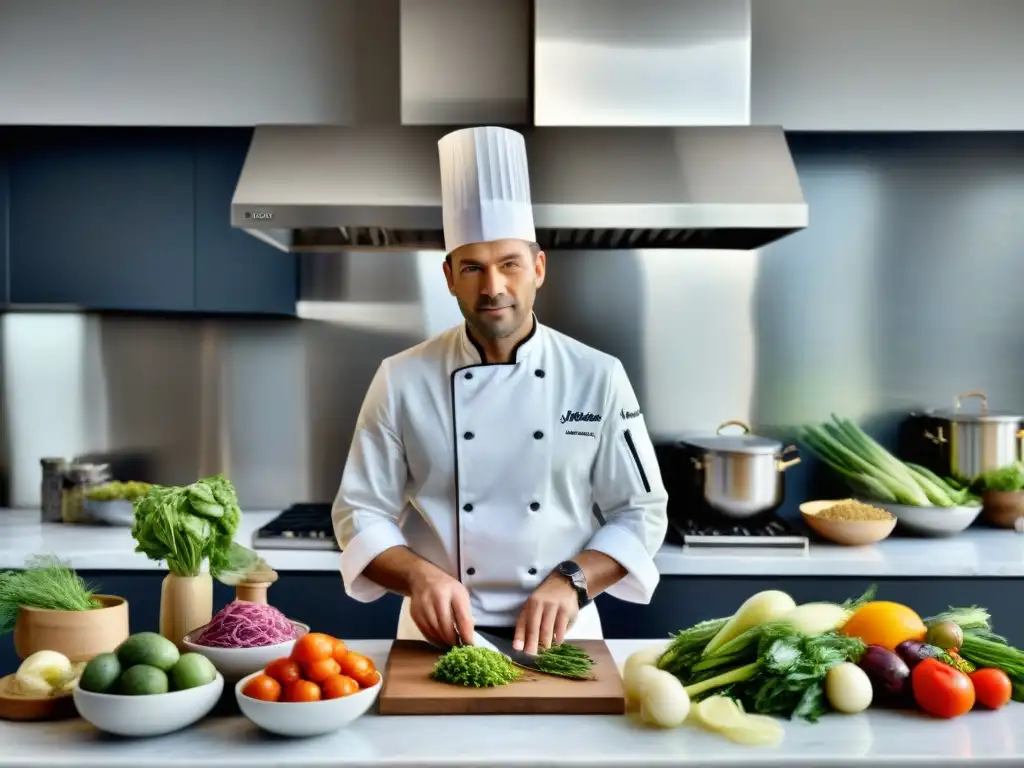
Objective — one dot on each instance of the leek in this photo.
(873, 472)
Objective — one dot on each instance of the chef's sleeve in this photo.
(372, 494)
(629, 491)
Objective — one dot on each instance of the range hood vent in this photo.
(617, 161)
(308, 189)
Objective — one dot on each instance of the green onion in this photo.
(873, 472)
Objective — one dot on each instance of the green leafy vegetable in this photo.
(45, 583)
(1007, 479)
(873, 472)
(787, 678)
(565, 661)
(475, 667)
(185, 526)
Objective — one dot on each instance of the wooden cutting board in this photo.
(408, 689)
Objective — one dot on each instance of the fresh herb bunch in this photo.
(564, 660)
(45, 583)
(184, 526)
(475, 667)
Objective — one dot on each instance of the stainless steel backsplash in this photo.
(904, 290)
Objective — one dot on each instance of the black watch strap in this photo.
(577, 579)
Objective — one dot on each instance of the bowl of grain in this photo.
(848, 521)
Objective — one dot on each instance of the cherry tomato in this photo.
(315, 646)
(360, 668)
(940, 690)
(284, 670)
(340, 649)
(264, 688)
(338, 686)
(992, 687)
(319, 671)
(302, 690)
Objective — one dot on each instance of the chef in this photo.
(501, 474)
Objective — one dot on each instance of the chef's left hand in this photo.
(549, 612)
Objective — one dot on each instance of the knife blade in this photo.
(505, 648)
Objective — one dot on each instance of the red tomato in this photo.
(340, 649)
(319, 671)
(285, 671)
(302, 690)
(940, 690)
(339, 686)
(992, 687)
(315, 646)
(360, 668)
(264, 688)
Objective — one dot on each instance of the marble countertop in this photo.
(977, 552)
(879, 739)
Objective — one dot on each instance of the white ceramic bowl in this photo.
(932, 521)
(306, 718)
(152, 715)
(236, 663)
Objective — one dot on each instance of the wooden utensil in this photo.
(253, 589)
(409, 690)
(18, 706)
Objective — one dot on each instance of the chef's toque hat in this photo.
(485, 187)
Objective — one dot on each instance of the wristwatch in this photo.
(577, 579)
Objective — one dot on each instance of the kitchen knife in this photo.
(505, 648)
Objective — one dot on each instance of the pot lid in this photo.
(963, 412)
(735, 443)
(967, 417)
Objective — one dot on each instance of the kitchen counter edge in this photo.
(975, 553)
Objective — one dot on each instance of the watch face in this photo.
(569, 568)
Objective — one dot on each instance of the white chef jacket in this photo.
(492, 471)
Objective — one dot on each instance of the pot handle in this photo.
(733, 423)
(979, 395)
(783, 463)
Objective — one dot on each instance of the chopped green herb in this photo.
(475, 667)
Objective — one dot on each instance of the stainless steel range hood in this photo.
(710, 181)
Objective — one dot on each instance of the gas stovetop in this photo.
(301, 526)
(772, 533)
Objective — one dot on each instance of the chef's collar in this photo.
(519, 353)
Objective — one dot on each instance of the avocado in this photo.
(192, 671)
(143, 680)
(101, 673)
(148, 648)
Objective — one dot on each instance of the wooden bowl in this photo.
(850, 533)
(1002, 508)
(79, 635)
(17, 706)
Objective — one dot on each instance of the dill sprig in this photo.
(564, 660)
(45, 583)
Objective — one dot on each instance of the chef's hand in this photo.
(440, 605)
(547, 615)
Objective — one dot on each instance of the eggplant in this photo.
(913, 652)
(888, 673)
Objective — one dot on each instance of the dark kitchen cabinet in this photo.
(4, 183)
(103, 219)
(235, 272)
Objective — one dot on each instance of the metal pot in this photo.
(976, 442)
(742, 474)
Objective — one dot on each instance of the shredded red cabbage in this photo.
(241, 624)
